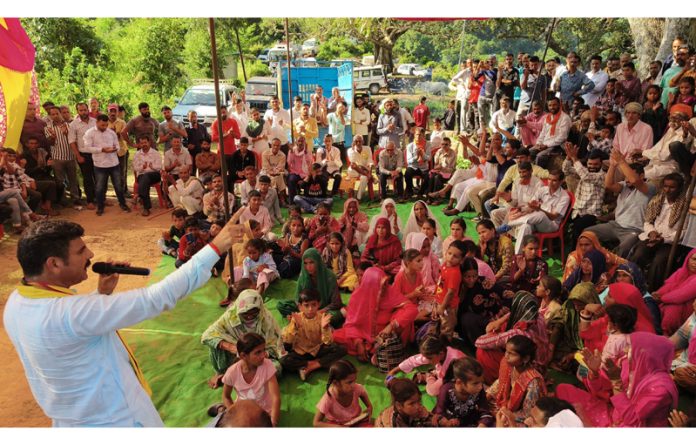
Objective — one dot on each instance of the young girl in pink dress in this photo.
(340, 404)
(253, 377)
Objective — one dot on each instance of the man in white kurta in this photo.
(79, 370)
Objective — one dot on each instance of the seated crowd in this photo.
(601, 158)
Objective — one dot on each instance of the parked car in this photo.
(263, 56)
(414, 69)
(259, 91)
(369, 78)
(310, 46)
(201, 99)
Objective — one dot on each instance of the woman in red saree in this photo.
(375, 309)
(594, 332)
(383, 248)
(636, 392)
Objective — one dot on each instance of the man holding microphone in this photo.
(78, 366)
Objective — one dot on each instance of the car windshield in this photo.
(198, 97)
(260, 89)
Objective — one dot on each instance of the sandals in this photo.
(215, 409)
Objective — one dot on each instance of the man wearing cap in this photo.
(117, 125)
(672, 153)
(632, 135)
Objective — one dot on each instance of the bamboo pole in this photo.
(241, 54)
(287, 48)
(682, 223)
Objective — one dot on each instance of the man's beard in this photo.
(224, 117)
(145, 115)
(593, 169)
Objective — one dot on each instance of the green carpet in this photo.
(177, 367)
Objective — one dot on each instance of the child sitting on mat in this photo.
(340, 405)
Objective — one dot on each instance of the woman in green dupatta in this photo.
(317, 276)
(246, 314)
(564, 327)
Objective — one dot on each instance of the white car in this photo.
(369, 78)
(310, 46)
(414, 69)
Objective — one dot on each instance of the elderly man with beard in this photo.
(672, 153)
(143, 125)
(589, 194)
(81, 371)
(76, 133)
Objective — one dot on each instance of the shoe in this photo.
(504, 228)
(215, 409)
(303, 374)
(225, 302)
(100, 212)
(451, 212)
(477, 218)
(125, 208)
(145, 212)
(91, 206)
(172, 253)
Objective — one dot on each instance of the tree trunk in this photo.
(674, 27)
(383, 56)
(647, 34)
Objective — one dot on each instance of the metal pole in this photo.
(287, 48)
(680, 226)
(461, 46)
(221, 147)
(241, 54)
(543, 58)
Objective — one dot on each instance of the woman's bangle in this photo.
(585, 318)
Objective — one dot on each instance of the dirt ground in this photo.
(114, 235)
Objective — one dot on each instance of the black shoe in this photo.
(100, 212)
(125, 208)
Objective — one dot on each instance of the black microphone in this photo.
(109, 268)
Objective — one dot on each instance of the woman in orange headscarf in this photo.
(586, 242)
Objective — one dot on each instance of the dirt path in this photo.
(116, 235)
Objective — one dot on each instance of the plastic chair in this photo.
(560, 233)
(160, 195)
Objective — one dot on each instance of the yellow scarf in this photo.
(41, 290)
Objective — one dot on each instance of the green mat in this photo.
(177, 367)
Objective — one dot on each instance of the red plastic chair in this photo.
(560, 233)
(160, 195)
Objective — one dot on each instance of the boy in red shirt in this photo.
(447, 291)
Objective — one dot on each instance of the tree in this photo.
(653, 37)
(55, 38)
(382, 33)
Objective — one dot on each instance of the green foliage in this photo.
(340, 48)
(256, 68)
(415, 47)
(55, 38)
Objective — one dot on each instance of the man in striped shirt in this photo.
(64, 165)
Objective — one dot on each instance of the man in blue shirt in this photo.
(573, 83)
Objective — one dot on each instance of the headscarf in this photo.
(373, 241)
(649, 363)
(636, 275)
(230, 327)
(361, 318)
(326, 279)
(383, 214)
(565, 419)
(412, 224)
(599, 266)
(344, 220)
(682, 108)
(654, 208)
(634, 107)
(569, 316)
(431, 265)
(612, 259)
(342, 256)
(628, 294)
(681, 280)
(525, 308)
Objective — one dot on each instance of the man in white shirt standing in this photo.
(598, 77)
(360, 119)
(80, 370)
(102, 143)
(553, 134)
(460, 84)
(76, 132)
(280, 122)
(147, 164)
(187, 192)
(545, 212)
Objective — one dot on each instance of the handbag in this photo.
(390, 352)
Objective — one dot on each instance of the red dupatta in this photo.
(511, 394)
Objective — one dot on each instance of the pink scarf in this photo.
(431, 265)
(650, 359)
(680, 287)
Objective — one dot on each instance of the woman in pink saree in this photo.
(677, 294)
(636, 392)
(376, 309)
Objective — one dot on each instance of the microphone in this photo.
(109, 268)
